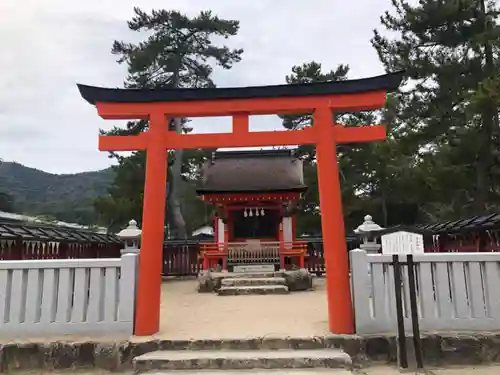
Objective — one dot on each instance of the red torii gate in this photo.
(321, 99)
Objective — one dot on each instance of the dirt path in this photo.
(186, 314)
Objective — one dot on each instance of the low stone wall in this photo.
(439, 350)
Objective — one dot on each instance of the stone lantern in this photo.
(130, 236)
(369, 244)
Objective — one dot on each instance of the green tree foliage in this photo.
(180, 52)
(450, 52)
(308, 216)
(6, 202)
(369, 172)
(440, 160)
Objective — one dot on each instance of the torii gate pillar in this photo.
(332, 226)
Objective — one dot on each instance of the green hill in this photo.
(67, 197)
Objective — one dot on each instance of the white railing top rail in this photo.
(59, 263)
(437, 257)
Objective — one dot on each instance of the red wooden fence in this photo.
(20, 241)
(180, 258)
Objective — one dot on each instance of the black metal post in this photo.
(414, 312)
(403, 355)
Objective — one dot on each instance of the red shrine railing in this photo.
(185, 258)
(20, 241)
(227, 255)
(23, 241)
(471, 234)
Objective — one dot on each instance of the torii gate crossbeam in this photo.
(320, 99)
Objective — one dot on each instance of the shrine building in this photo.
(255, 195)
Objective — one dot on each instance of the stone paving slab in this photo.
(380, 370)
(245, 281)
(228, 275)
(237, 360)
(298, 371)
(247, 290)
(472, 370)
(172, 355)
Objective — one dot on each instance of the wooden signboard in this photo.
(402, 243)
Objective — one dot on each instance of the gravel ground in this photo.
(186, 314)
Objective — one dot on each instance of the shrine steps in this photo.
(251, 281)
(252, 275)
(294, 371)
(242, 360)
(241, 290)
(254, 283)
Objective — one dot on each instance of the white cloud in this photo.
(49, 45)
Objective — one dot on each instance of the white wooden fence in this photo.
(455, 291)
(70, 296)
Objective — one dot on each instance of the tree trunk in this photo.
(175, 202)
(489, 115)
(385, 213)
(484, 164)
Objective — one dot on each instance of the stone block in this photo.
(130, 350)
(247, 359)
(380, 349)
(24, 357)
(254, 289)
(209, 282)
(463, 349)
(298, 280)
(107, 356)
(248, 281)
(71, 355)
(353, 345)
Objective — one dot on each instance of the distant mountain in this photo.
(67, 197)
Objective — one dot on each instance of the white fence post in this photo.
(128, 274)
(360, 288)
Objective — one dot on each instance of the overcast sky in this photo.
(50, 45)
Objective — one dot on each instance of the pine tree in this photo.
(178, 53)
(369, 172)
(450, 52)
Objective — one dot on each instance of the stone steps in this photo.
(250, 281)
(349, 344)
(250, 275)
(241, 290)
(292, 371)
(246, 283)
(241, 360)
